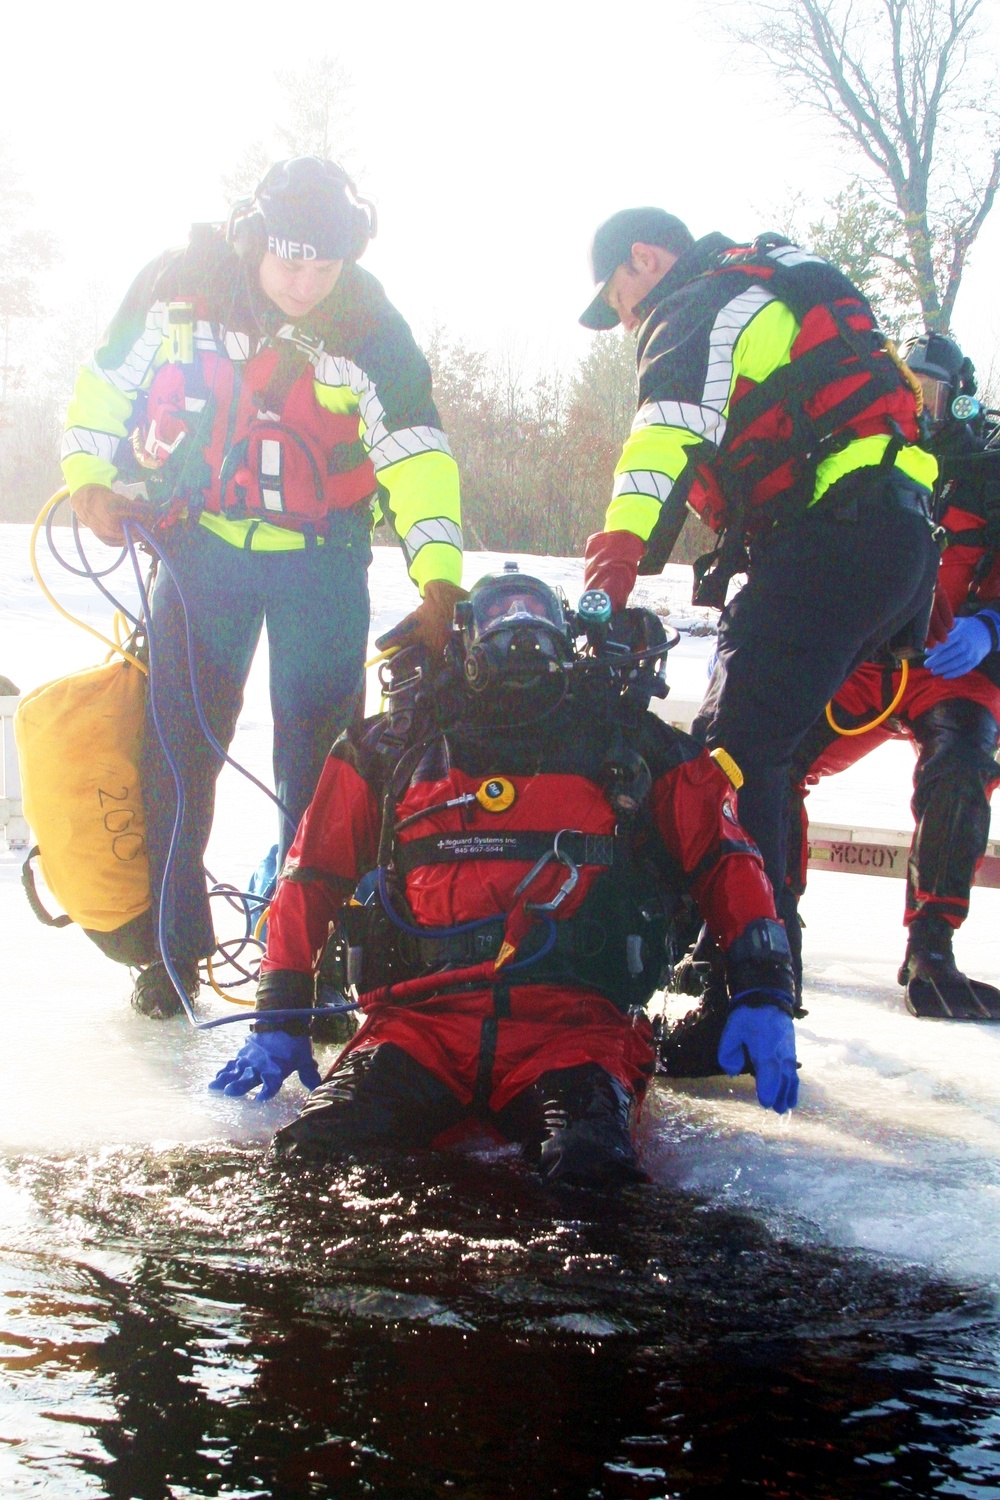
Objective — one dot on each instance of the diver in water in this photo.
(501, 858)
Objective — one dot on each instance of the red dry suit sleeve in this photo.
(611, 563)
(960, 561)
(694, 809)
(336, 843)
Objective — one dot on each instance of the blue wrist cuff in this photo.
(760, 996)
(991, 620)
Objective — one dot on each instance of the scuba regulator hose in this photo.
(253, 906)
(904, 676)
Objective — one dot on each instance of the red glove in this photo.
(103, 511)
(430, 623)
(612, 563)
(942, 618)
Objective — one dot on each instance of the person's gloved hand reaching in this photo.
(761, 980)
(429, 625)
(267, 1058)
(103, 512)
(764, 1035)
(972, 637)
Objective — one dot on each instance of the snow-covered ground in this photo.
(895, 1145)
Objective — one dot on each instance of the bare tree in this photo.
(316, 119)
(860, 235)
(319, 111)
(247, 172)
(25, 253)
(902, 81)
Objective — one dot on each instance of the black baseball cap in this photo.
(612, 244)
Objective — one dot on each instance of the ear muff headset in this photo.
(246, 227)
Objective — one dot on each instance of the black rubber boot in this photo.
(935, 986)
(153, 993)
(955, 774)
(581, 1128)
(377, 1096)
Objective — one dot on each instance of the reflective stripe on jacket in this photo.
(370, 389)
(709, 342)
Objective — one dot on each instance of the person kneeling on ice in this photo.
(523, 830)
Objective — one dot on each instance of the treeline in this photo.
(30, 429)
(536, 453)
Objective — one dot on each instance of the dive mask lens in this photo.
(936, 398)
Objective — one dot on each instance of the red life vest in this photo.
(215, 449)
(842, 383)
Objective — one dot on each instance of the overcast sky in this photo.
(494, 138)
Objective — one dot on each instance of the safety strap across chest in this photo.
(595, 849)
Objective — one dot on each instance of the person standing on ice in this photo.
(265, 390)
(519, 831)
(770, 406)
(950, 705)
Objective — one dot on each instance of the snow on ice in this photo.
(895, 1146)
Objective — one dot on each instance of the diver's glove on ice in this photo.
(766, 1036)
(267, 1058)
(972, 637)
(430, 623)
(759, 1029)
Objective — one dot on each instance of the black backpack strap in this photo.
(34, 900)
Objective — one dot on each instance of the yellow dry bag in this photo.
(78, 743)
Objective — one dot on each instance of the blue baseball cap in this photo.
(612, 245)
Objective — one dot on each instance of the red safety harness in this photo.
(292, 466)
(841, 383)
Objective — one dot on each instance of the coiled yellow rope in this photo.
(114, 646)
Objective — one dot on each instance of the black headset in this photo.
(246, 227)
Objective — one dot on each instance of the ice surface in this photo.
(896, 1143)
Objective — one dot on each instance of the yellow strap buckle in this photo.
(725, 763)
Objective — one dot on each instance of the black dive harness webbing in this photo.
(740, 467)
(616, 942)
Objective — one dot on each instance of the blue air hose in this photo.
(175, 772)
(161, 923)
(204, 725)
(462, 927)
(96, 576)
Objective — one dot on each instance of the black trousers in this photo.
(315, 604)
(823, 595)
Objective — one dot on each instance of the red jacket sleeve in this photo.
(336, 843)
(694, 809)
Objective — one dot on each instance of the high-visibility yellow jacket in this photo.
(706, 343)
(367, 375)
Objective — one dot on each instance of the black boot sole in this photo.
(953, 998)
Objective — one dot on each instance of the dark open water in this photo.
(194, 1323)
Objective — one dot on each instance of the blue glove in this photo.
(970, 639)
(268, 1058)
(765, 1034)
